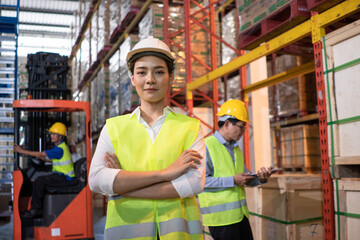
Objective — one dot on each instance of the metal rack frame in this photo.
(316, 28)
(313, 27)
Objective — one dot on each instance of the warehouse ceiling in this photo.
(51, 18)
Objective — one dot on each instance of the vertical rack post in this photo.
(245, 99)
(167, 40)
(213, 63)
(189, 98)
(327, 188)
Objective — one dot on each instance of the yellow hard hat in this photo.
(58, 128)
(153, 45)
(235, 108)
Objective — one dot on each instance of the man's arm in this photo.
(40, 155)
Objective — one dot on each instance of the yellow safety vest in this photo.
(64, 164)
(227, 206)
(132, 218)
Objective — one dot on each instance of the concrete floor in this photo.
(6, 228)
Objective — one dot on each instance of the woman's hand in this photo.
(111, 161)
(188, 159)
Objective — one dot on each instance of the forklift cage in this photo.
(79, 211)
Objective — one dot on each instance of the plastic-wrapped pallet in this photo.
(115, 8)
(252, 12)
(94, 103)
(126, 7)
(101, 99)
(101, 26)
(201, 48)
(152, 24)
(233, 88)
(229, 33)
(110, 11)
(23, 77)
(115, 85)
(95, 44)
(127, 98)
(297, 95)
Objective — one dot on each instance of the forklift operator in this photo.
(62, 167)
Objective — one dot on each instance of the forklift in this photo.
(67, 210)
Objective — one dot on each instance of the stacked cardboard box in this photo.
(347, 194)
(342, 92)
(287, 207)
(300, 148)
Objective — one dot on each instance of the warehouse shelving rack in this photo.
(8, 92)
(316, 28)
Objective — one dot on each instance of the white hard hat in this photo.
(150, 44)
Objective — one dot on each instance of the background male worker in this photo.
(62, 167)
(222, 203)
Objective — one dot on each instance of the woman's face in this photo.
(151, 79)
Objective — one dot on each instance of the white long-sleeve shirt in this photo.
(101, 178)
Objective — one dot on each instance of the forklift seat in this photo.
(74, 186)
(58, 198)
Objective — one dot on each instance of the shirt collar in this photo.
(60, 143)
(222, 140)
(137, 112)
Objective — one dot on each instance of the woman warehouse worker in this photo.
(151, 162)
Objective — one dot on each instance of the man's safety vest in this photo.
(64, 164)
(227, 206)
(134, 218)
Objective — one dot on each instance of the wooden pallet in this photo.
(274, 24)
(321, 5)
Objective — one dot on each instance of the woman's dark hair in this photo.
(232, 120)
(169, 62)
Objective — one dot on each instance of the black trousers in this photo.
(39, 188)
(237, 231)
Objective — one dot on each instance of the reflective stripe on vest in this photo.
(149, 229)
(140, 218)
(224, 207)
(227, 206)
(64, 164)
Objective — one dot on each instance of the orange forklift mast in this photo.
(67, 210)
